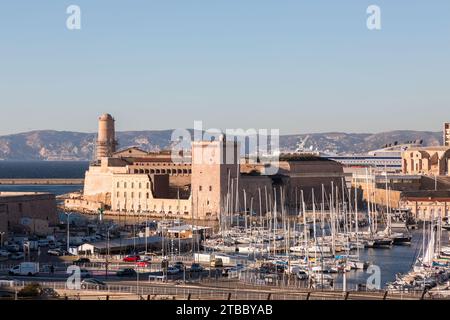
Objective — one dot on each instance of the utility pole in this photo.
(68, 214)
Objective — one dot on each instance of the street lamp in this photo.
(107, 251)
(68, 214)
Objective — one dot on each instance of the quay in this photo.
(24, 182)
(125, 290)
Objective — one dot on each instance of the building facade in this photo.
(446, 134)
(209, 180)
(427, 205)
(426, 161)
(31, 213)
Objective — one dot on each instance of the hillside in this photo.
(63, 145)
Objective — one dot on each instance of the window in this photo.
(210, 188)
(200, 188)
(125, 185)
(148, 195)
(118, 184)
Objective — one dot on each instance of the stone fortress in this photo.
(133, 181)
(432, 160)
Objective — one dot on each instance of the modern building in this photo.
(28, 212)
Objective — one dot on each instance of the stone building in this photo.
(426, 161)
(106, 141)
(446, 134)
(212, 178)
(426, 205)
(28, 212)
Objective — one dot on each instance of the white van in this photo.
(25, 269)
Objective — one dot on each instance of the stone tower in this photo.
(214, 165)
(106, 141)
(447, 134)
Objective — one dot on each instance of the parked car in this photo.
(195, 267)
(55, 252)
(142, 264)
(179, 265)
(85, 273)
(82, 261)
(52, 245)
(146, 257)
(13, 247)
(173, 270)
(225, 272)
(17, 256)
(126, 273)
(4, 253)
(132, 258)
(43, 243)
(93, 283)
(302, 275)
(49, 293)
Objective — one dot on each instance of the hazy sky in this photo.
(300, 66)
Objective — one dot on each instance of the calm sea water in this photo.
(43, 169)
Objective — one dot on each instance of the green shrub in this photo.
(31, 290)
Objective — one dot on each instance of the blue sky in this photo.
(299, 66)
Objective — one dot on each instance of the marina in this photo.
(333, 243)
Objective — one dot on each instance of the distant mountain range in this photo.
(63, 145)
